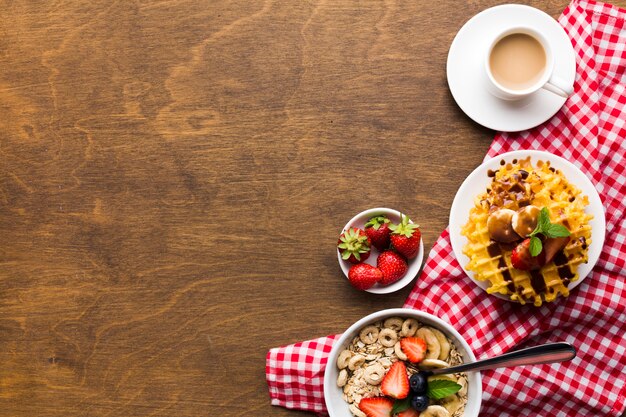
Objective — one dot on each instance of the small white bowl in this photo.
(414, 264)
(336, 405)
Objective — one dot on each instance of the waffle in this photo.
(515, 185)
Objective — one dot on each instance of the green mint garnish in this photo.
(441, 388)
(400, 405)
(546, 228)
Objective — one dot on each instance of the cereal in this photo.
(366, 360)
(409, 327)
(387, 337)
(369, 335)
(343, 358)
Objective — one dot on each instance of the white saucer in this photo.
(467, 78)
(478, 180)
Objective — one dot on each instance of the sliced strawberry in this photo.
(354, 245)
(414, 348)
(377, 229)
(376, 406)
(523, 260)
(405, 238)
(364, 276)
(392, 265)
(395, 384)
(409, 412)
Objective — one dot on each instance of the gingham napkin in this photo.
(590, 131)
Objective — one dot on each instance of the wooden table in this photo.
(174, 175)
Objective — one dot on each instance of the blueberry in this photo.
(418, 383)
(419, 402)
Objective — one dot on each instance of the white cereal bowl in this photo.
(414, 264)
(336, 405)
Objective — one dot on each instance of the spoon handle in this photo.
(536, 355)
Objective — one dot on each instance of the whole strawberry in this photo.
(377, 229)
(392, 265)
(354, 245)
(364, 276)
(405, 238)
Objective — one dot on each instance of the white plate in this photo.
(468, 81)
(478, 180)
(414, 264)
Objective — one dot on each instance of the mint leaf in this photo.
(535, 246)
(400, 405)
(556, 230)
(543, 222)
(441, 388)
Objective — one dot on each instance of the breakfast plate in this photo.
(467, 77)
(477, 182)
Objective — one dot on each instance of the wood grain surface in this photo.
(174, 175)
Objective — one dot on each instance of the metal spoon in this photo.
(536, 355)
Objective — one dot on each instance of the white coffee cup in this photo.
(513, 54)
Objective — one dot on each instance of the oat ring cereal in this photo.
(343, 359)
(356, 361)
(399, 353)
(369, 335)
(409, 327)
(393, 323)
(342, 379)
(387, 337)
(374, 374)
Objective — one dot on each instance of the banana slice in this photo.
(444, 345)
(462, 381)
(447, 377)
(435, 411)
(451, 403)
(432, 343)
(432, 364)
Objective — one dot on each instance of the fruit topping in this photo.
(500, 227)
(414, 348)
(418, 383)
(523, 260)
(377, 229)
(376, 406)
(524, 220)
(363, 276)
(405, 237)
(354, 245)
(547, 229)
(420, 402)
(392, 265)
(396, 382)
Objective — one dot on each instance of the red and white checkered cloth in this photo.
(590, 131)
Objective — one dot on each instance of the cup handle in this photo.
(559, 86)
